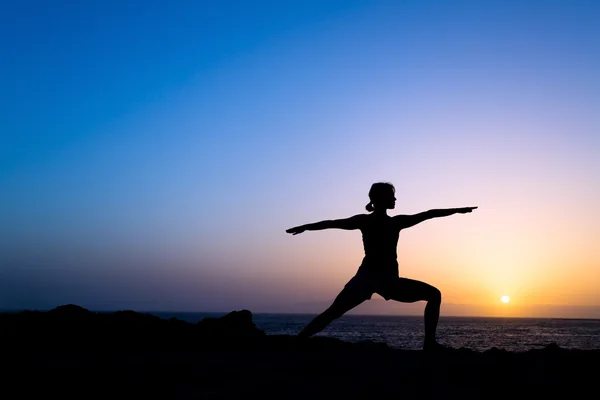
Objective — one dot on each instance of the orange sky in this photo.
(163, 177)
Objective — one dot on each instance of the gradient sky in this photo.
(153, 153)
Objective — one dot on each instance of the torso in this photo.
(380, 240)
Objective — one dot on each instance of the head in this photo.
(382, 195)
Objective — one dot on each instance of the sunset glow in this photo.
(153, 157)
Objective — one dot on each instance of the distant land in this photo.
(382, 307)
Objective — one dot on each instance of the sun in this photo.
(505, 299)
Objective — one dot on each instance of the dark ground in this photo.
(70, 352)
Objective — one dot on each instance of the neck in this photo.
(382, 211)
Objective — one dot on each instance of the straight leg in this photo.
(350, 297)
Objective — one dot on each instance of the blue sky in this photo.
(153, 153)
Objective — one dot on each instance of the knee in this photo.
(435, 296)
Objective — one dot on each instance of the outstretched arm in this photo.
(406, 221)
(346, 223)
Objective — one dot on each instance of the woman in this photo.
(378, 272)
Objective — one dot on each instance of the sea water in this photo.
(406, 332)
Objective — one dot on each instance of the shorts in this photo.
(364, 284)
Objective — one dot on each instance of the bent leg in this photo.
(409, 291)
(348, 298)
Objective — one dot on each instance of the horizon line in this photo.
(17, 310)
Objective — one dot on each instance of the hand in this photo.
(465, 210)
(296, 230)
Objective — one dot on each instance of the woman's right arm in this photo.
(354, 222)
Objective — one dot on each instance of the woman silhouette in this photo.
(378, 272)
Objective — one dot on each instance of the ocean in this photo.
(406, 332)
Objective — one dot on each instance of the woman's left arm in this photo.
(406, 221)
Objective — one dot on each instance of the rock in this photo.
(234, 324)
(552, 347)
(88, 354)
(69, 310)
